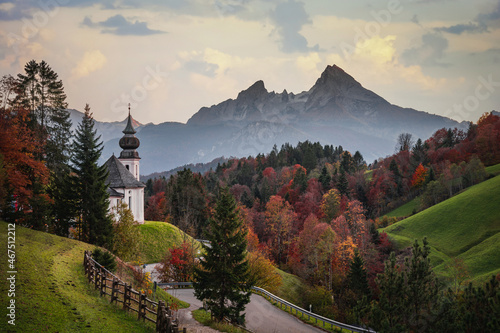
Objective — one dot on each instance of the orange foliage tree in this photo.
(20, 167)
(279, 217)
(418, 178)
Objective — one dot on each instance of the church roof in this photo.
(113, 193)
(129, 129)
(119, 176)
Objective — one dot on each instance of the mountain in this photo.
(337, 110)
(107, 130)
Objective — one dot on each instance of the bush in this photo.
(105, 259)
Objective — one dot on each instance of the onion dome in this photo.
(129, 142)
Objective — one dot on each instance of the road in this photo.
(261, 316)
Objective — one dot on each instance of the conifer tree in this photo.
(222, 280)
(90, 189)
(357, 277)
(325, 178)
(342, 183)
(43, 94)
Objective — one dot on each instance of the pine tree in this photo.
(387, 315)
(357, 277)
(342, 183)
(325, 178)
(222, 278)
(64, 206)
(90, 189)
(43, 94)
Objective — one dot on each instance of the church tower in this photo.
(129, 143)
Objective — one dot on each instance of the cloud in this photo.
(202, 67)
(470, 27)
(429, 53)
(119, 25)
(289, 18)
(480, 24)
(91, 62)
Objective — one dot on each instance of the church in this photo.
(123, 177)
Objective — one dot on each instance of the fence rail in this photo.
(292, 307)
(109, 284)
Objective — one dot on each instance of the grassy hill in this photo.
(157, 238)
(52, 293)
(466, 226)
(405, 210)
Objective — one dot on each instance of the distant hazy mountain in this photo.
(337, 110)
(107, 130)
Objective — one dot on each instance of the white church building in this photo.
(123, 177)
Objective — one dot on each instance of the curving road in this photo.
(261, 316)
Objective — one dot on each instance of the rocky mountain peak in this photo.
(255, 91)
(336, 80)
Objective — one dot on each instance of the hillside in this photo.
(52, 293)
(157, 238)
(466, 226)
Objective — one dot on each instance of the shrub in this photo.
(105, 259)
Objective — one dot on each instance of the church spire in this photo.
(129, 142)
(129, 129)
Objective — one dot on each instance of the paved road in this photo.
(261, 316)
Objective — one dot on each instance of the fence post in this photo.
(114, 290)
(96, 277)
(103, 281)
(159, 316)
(141, 305)
(126, 297)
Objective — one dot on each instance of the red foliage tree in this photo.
(156, 207)
(18, 146)
(177, 265)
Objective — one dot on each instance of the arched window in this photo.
(130, 199)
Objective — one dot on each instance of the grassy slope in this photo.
(464, 226)
(52, 293)
(291, 287)
(494, 169)
(406, 209)
(157, 238)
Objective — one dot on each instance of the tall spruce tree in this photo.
(90, 188)
(42, 93)
(357, 277)
(222, 280)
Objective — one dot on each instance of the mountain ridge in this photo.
(336, 110)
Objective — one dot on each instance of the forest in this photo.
(315, 211)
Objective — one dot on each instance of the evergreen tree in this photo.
(393, 167)
(43, 94)
(40, 91)
(64, 206)
(387, 315)
(342, 183)
(90, 188)
(357, 277)
(325, 178)
(222, 278)
(300, 180)
(359, 161)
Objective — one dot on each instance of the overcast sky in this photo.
(169, 58)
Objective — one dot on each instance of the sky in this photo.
(169, 58)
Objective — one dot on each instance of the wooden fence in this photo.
(107, 283)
